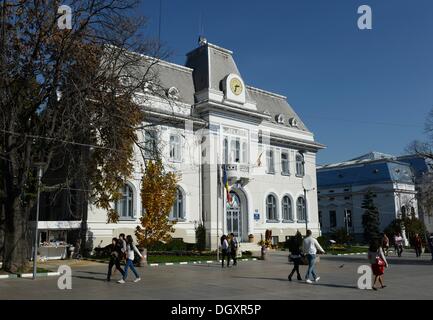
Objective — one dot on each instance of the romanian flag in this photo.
(226, 185)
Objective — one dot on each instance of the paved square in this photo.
(407, 278)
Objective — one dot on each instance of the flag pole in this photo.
(218, 209)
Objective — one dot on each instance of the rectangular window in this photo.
(285, 163)
(175, 148)
(349, 218)
(244, 152)
(274, 240)
(333, 218)
(270, 161)
(150, 144)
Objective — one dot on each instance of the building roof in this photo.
(419, 164)
(206, 67)
(211, 64)
(275, 105)
(373, 172)
(373, 155)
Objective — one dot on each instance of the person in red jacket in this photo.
(418, 245)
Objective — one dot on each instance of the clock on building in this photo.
(234, 88)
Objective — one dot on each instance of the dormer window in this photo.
(293, 122)
(279, 118)
(173, 93)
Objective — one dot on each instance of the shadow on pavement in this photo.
(91, 278)
(332, 285)
(391, 260)
(263, 278)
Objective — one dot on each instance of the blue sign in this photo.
(257, 215)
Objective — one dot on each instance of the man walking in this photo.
(418, 245)
(311, 246)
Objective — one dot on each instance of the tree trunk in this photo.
(17, 248)
(2, 230)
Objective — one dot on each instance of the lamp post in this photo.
(307, 185)
(35, 249)
(305, 209)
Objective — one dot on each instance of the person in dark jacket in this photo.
(418, 245)
(234, 248)
(115, 250)
(296, 258)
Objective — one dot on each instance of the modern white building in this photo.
(214, 122)
(342, 186)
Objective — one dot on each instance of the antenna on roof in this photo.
(201, 39)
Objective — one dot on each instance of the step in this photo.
(248, 246)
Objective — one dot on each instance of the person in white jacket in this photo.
(130, 249)
(311, 247)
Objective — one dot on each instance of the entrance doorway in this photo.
(236, 216)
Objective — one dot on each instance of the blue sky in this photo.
(358, 91)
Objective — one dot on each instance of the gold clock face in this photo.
(236, 86)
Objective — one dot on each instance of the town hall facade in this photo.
(214, 125)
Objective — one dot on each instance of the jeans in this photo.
(311, 267)
(129, 264)
(114, 262)
(399, 249)
(418, 251)
(225, 254)
(296, 263)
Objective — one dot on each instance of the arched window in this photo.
(300, 169)
(301, 209)
(271, 207)
(286, 206)
(125, 206)
(178, 210)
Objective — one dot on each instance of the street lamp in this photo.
(40, 166)
(307, 185)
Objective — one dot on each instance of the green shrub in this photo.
(323, 241)
(340, 236)
(200, 237)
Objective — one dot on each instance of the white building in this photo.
(342, 187)
(214, 121)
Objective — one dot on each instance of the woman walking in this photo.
(115, 250)
(225, 251)
(398, 243)
(130, 249)
(378, 263)
(295, 257)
